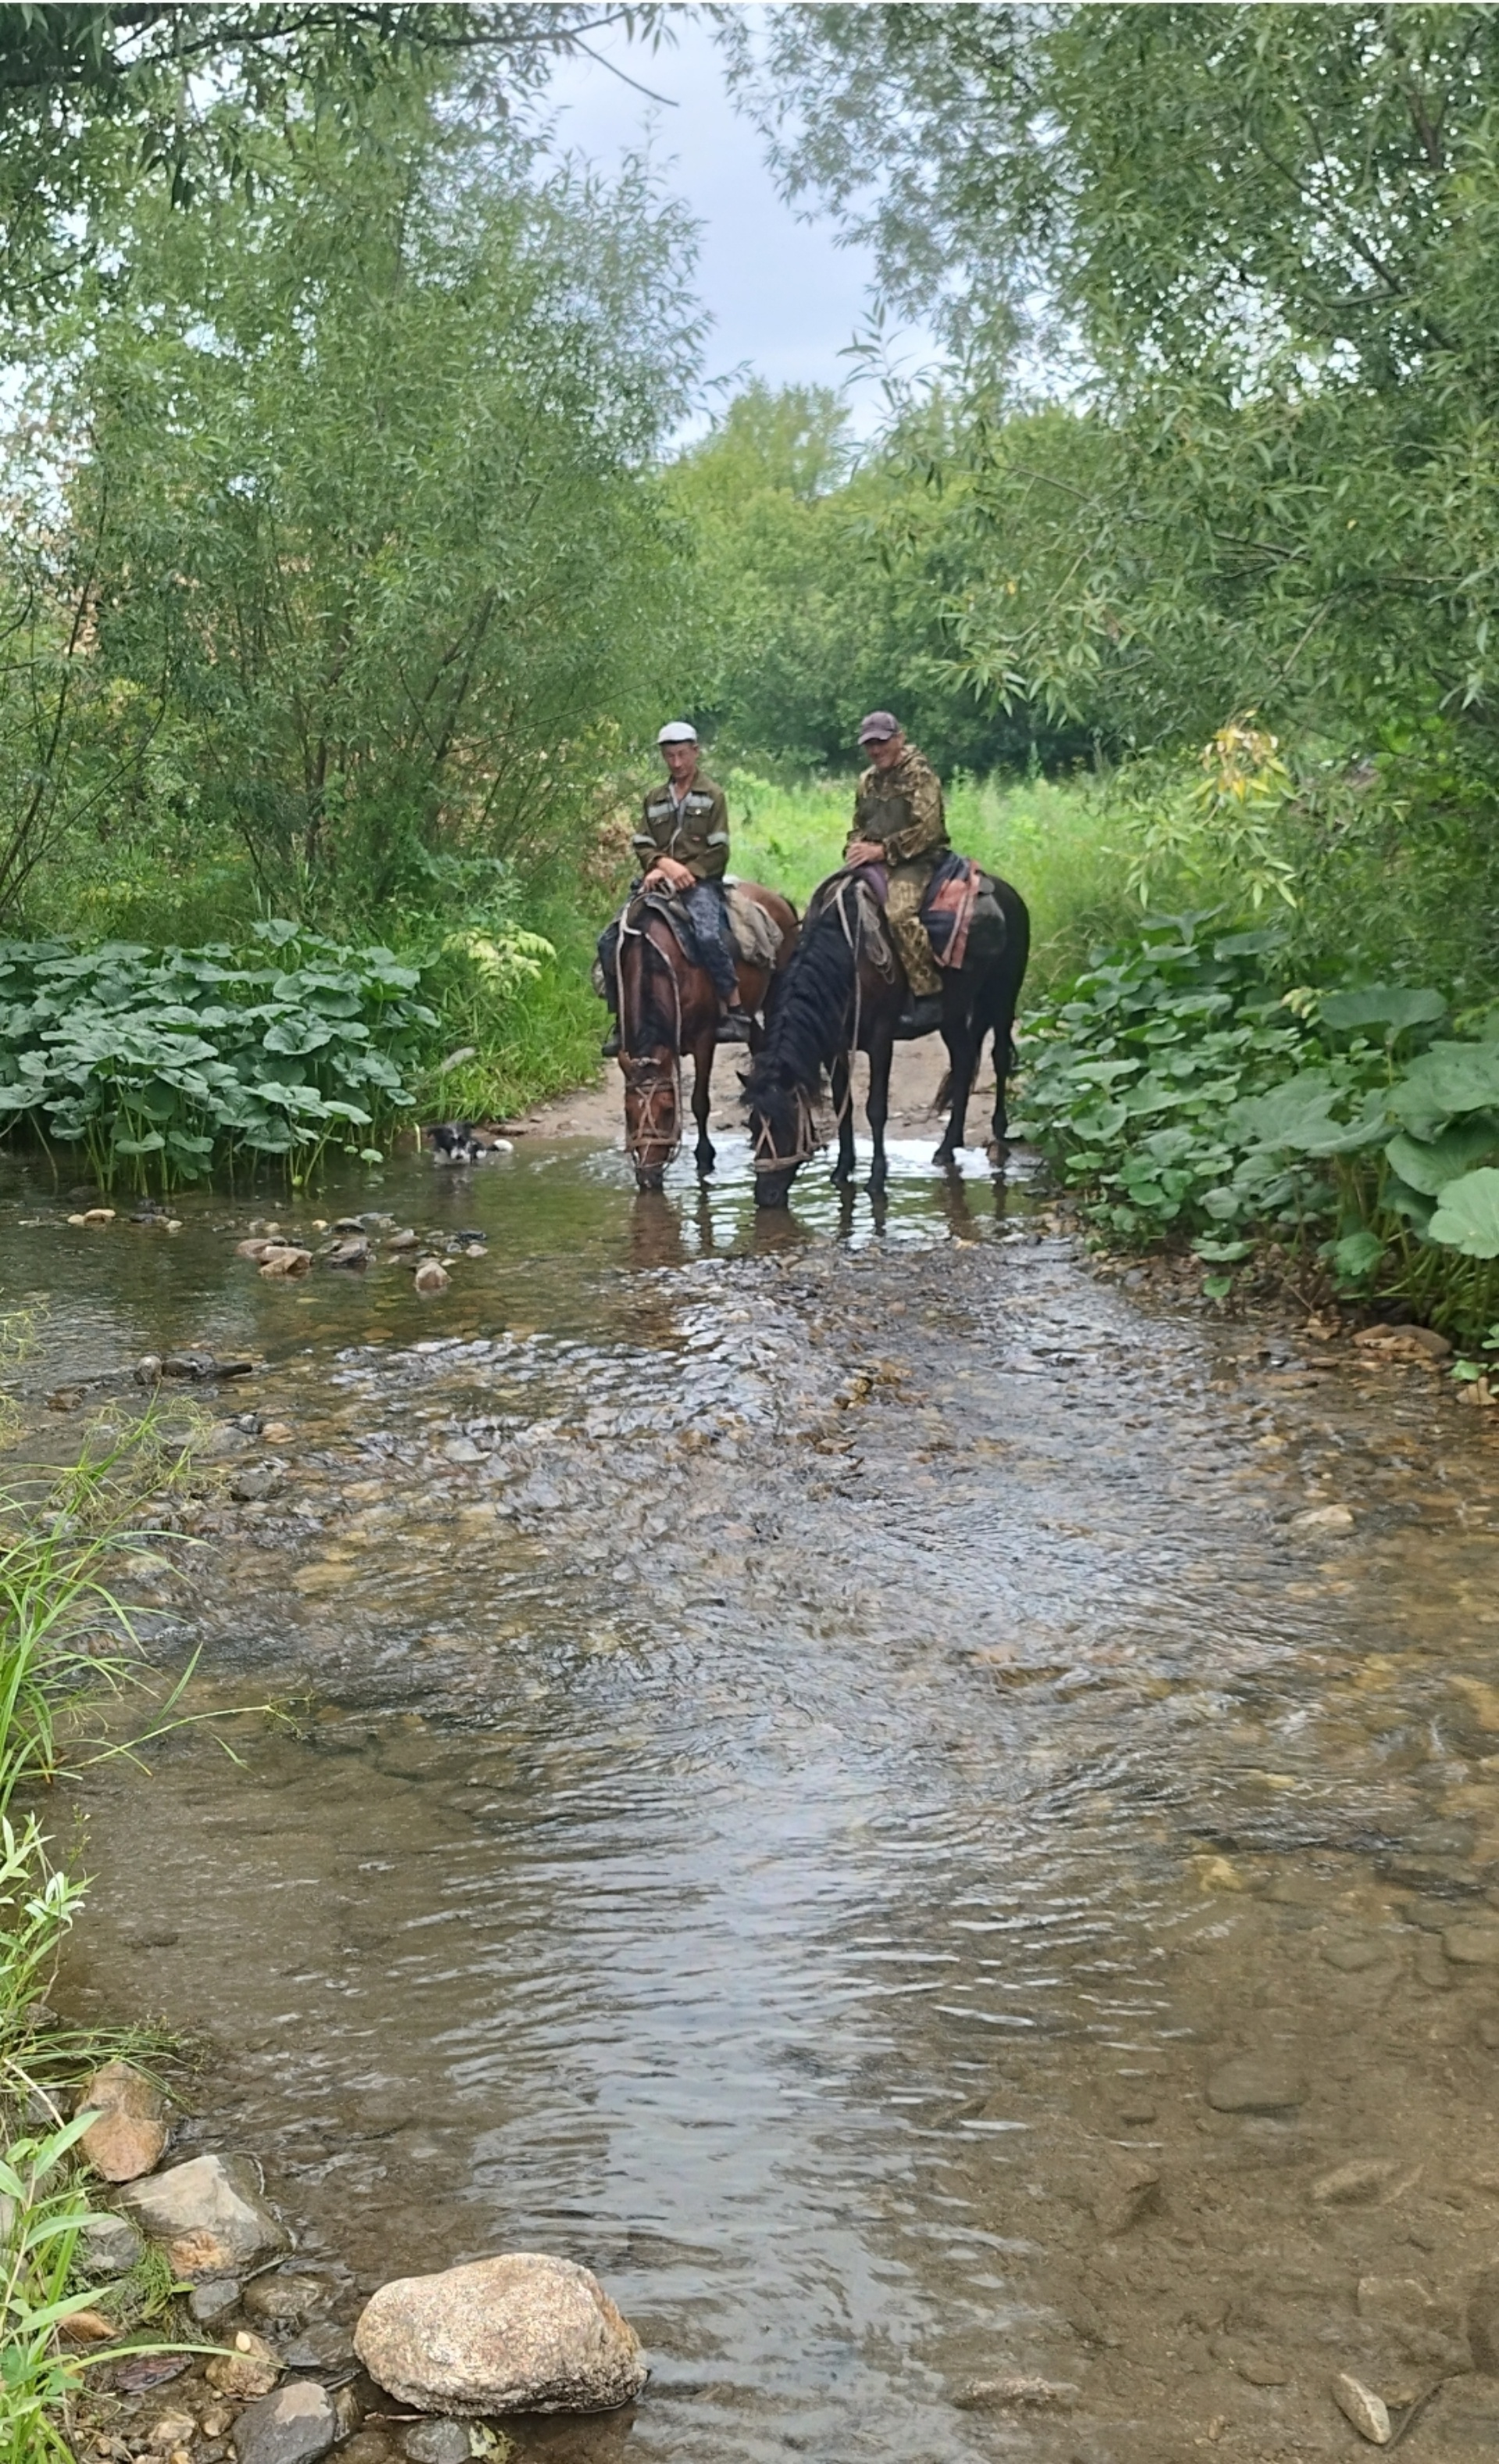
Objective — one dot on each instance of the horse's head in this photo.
(781, 1131)
(653, 1116)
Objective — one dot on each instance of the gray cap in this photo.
(678, 730)
(878, 728)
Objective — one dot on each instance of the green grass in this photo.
(533, 1038)
(1051, 840)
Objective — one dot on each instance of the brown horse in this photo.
(668, 1008)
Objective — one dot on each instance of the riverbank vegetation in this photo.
(68, 1538)
(353, 554)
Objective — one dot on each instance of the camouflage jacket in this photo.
(695, 831)
(901, 809)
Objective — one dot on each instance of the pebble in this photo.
(1355, 2184)
(250, 2368)
(287, 2297)
(1017, 2394)
(1324, 1518)
(1129, 2191)
(294, 2426)
(1350, 1953)
(436, 2442)
(107, 2246)
(401, 1241)
(283, 1263)
(1254, 2084)
(1472, 1945)
(171, 2429)
(430, 1277)
(1482, 2323)
(212, 2297)
(1367, 2412)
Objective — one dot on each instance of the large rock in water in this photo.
(209, 2214)
(525, 2333)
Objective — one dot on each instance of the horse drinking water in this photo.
(842, 993)
(667, 1006)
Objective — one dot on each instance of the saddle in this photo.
(947, 911)
(755, 937)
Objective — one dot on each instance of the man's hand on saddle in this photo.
(666, 873)
(863, 851)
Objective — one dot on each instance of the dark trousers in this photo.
(707, 912)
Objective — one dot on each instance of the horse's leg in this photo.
(842, 1105)
(962, 1039)
(704, 1154)
(881, 1047)
(1004, 1047)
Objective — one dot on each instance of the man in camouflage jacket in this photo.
(898, 821)
(681, 843)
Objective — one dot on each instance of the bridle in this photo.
(666, 1087)
(765, 1159)
(865, 935)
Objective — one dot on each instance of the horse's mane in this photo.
(652, 1018)
(808, 1027)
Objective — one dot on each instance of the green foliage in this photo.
(1183, 1098)
(159, 1063)
(824, 588)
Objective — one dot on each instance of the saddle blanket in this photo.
(754, 936)
(947, 909)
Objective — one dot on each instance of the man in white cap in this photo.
(682, 844)
(898, 821)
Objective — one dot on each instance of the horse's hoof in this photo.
(840, 1175)
(946, 1156)
(705, 1157)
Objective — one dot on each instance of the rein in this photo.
(669, 1085)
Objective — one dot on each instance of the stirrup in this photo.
(922, 1012)
(610, 1049)
(734, 1027)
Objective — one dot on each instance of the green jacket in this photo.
(695, 831)
(901, 809)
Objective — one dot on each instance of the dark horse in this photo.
(842, 993)
(667, 1008)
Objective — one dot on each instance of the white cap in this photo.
(678, 730)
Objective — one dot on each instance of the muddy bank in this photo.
(932, 1822)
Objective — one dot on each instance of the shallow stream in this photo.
(829, 1784)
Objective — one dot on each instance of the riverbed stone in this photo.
(1254, 2084)
(1358, 2404)
(130, 2138)
(208, 2216)
(431, 1277)
(294, 2426)
(1422, 2328)
(1329, 1519)
(436, 2442)
(522, 2333)
(107, 2246)
(214, 2299)
(1472, 1945)
(1482, 2323)
(1355, 2184)
(249, 2368)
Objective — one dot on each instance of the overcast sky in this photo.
(782, 296)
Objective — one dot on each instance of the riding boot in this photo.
(610, 1049)
(734, 1026)
(922, 1012)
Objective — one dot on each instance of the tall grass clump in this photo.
(66, 1640)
